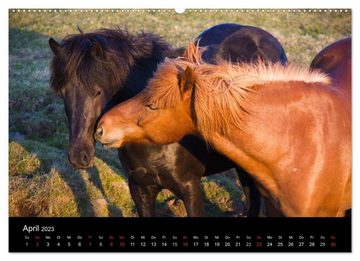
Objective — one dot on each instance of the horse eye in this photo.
(98, 93)
(152, 107)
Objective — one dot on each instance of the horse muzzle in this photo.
(81, 158)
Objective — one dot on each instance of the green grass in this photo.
(41, 182)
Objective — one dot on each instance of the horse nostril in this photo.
(84, 158)
(99, 132)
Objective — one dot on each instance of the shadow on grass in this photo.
(72, 179)
(27, 43)
(79, 190)
(94, 177)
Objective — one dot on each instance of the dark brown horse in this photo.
(94, 71)
(335, 60)
(288, 127)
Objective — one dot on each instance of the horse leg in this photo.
(144, 198)
(251, 192)
(271, 210)
(348, 213)
(192, 196)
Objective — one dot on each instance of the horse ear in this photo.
(97, 51)
(187, 80)
(54, 46)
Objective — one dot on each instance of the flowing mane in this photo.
(118, 50)
(221, 91)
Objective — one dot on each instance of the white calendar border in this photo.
(256, 4)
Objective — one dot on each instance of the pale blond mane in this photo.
(164, 91)
(222, 91)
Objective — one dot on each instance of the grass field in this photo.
(41, 182)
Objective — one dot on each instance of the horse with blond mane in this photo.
(289, 127)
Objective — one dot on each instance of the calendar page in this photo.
(196, 130)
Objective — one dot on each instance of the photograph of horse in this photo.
(69, 68)
(94, 71)
(288, 126)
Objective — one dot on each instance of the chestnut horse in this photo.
(288, 127)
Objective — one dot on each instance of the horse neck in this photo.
(265, 110)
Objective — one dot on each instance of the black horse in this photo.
(94, 71)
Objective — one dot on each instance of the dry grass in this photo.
(60, 191)
(41, 182)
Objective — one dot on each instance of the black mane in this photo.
(91, 56)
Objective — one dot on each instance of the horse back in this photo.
(240, 43)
